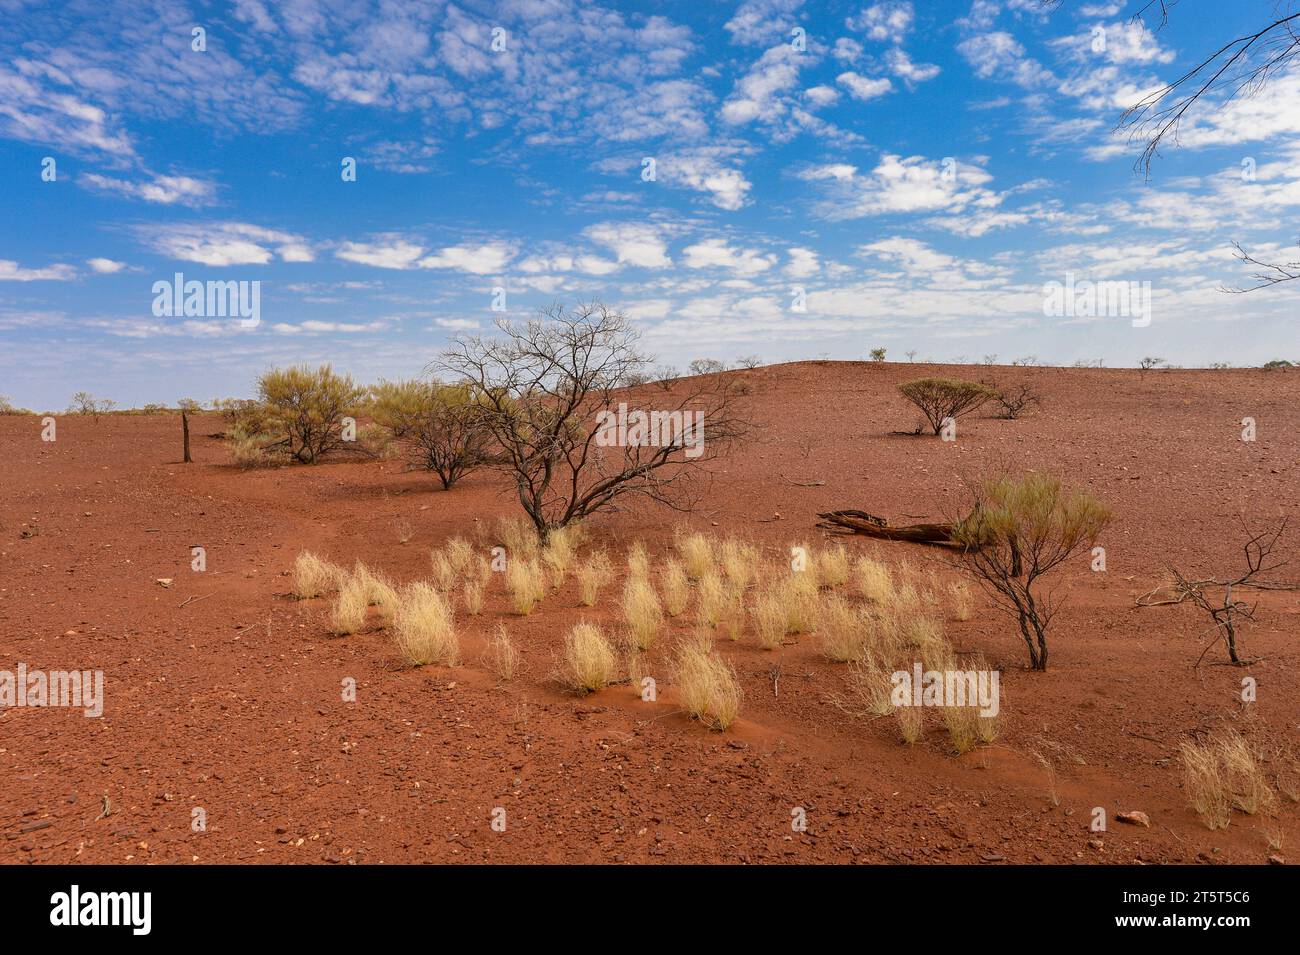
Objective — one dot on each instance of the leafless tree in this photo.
(1271, 273)
(550, 391)
(449, 435)
(1217, 598)
(83, 402)
(1015, 400)
(706, 366)
(1239, 67)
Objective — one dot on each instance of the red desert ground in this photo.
(237, 726)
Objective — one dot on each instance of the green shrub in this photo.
(400, 405)
(1020, 529)
(305, 408)
(450, 438)
(942, 398)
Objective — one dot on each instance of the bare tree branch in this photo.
(550, 388)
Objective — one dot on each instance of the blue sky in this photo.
(919, 170)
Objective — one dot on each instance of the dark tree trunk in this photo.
(185, 427)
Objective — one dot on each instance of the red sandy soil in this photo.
(232, 702)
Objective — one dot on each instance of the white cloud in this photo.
(402, 156)
(716, 253)
(1128, 41)
(398, 252)
(226, 243)
(105, 266)
(803, 262)
(763, 21)
(490, 258)
(913, 255)
(38, 104)
(902, 185)
(704, 170)
(11, 271)
(999, 55)
(822, 95)
(847, 49)
(889, 21)
(637, 244)
(316, 327)
(980, 222)
(757, 94)
(389, 252)
(863, 88)
(1271, 113)
(901, 65)
(841, 172)
(165, 190)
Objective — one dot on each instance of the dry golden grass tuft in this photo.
(472, 597)
(594, 574)
(988, 727)
(1246, 780)
(740, 561)
(911, 722)
(869, 689)
(561, 551)
(526, 582)
(518, 537)
(1204, 782)
(636, 667)
(247, 451)
(960, 599)
(833, 566)
(708, 686)
(920, 634)
(732, 624)
(638, 561)
(963, 724)
(313, 576)
(502, 655)
(348, 612)
(675, 587)
(712, 600)
(482, 571)
(874, 580)
(444, 571)
(378, 589)
(424, 627)
(1275, 835)
(770, 618)
(642, 612)
(460, 554)
(845, 630)
(802, 604)
(699, 637)
(589, 660)
(907, 596)
(803, 565)
(697, 554)
(1222, 774)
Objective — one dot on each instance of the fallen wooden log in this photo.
(860, 522)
